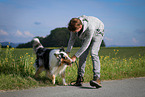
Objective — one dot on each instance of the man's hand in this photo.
(67, 53)
(73, 58)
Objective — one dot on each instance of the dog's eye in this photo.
(62, 56)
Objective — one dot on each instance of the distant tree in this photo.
(57, 38)
(103, 44)
(29, 44)
(25, 45)
(6, 46)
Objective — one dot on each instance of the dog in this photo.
(53, 61)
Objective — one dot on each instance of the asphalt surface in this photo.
(134, 87)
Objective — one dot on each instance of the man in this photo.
(91, 30)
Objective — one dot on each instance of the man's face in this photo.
(78, 29)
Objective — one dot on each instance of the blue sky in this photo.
(21, 20)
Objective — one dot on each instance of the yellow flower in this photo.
(7, 46)
(124, 59)
(101, 57)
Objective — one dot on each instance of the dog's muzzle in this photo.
(64, 58)
(67, 61)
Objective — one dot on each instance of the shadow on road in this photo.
(84, 87)
(88, 87)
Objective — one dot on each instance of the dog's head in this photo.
(63, 57)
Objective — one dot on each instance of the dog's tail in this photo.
(36, 44)
(36, 40)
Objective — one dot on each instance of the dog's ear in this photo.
(62, 49)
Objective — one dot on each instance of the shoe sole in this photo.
(75, 84)
(95, 84)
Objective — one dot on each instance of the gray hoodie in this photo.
(92, 26)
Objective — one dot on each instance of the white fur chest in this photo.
(54, 63)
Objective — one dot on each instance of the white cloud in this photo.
(134, 40)
(2, 32)
(108, 39)
(19, 33)
(24, 34)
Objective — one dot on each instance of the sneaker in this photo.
(78, 82)
(96, 83)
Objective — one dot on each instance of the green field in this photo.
(17, 71)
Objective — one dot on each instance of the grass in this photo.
(17, 71)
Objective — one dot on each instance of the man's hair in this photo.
(74, 24)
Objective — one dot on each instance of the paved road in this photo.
(116, 88)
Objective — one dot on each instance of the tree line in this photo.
(58, 37)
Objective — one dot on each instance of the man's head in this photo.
(75, 25)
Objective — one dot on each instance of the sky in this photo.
(21, 20)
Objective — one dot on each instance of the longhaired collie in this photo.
(53, 61)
